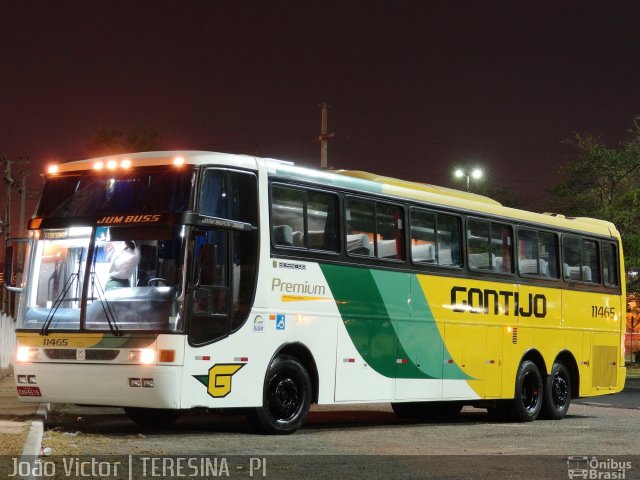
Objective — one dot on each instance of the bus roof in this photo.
(350, 179)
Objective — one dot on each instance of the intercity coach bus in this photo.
(255, 285)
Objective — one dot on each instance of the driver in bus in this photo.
(123, 265)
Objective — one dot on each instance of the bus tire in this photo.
(153, 417)
(557, 393)
(529, 391)
(286, 398)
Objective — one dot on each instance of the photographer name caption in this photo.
(151, 467)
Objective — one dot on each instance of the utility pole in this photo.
(324, 136)
(22, 188)
(10, 180)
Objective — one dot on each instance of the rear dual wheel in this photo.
(528, 399)
(557, 393)
(535, 397)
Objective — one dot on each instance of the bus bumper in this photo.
(107, 385)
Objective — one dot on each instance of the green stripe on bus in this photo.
(126, 341)
(374, 306)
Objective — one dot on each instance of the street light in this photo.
(475, 173)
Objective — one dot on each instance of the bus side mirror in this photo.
(8, 269)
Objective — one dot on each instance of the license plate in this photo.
(29, 391)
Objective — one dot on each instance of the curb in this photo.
(33, 443)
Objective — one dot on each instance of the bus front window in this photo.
(54, 285)
(132, 280)
(135, 281)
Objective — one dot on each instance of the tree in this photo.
(110, 141)
(602, 182)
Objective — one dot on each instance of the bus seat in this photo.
(387, 249)
(444, 257)
(573, 273)
(298, 239)
(544, 268)
(359, 244)
(586, 273)
(283, 235)
(497, 263)
(316, 239)
(480, 261)
(424, 253)
(528, 266)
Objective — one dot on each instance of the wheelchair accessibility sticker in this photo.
(280, 322)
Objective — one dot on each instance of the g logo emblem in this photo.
(220, 378)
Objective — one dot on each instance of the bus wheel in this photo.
(153, 417)
(528, 394)
(557, 393)
(286, 398)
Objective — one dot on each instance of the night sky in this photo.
(416, 88)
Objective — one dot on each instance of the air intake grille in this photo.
(99, 354)
(60, 353)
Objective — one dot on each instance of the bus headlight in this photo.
(26, 354)
(146, 356)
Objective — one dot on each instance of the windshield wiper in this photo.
(61, 296)
(67, 286)
(109, 314)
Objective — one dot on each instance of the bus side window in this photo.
(360, 227)
(435, 238)
(390, 239)
(210, 302)
(609, 265)
(590, 261)
(490, 246)
(581, 259)
(304, 219)
(448, 241)
(548, 245)
(478, 245)
(287, 216)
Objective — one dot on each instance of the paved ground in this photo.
(361, 441)
(15, 418)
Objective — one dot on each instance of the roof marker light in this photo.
(126, 163)
(53, 169)
(112, 164)
(98, 166)
(178, 161)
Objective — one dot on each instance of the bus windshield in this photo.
(98, 195)
(106, 278)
